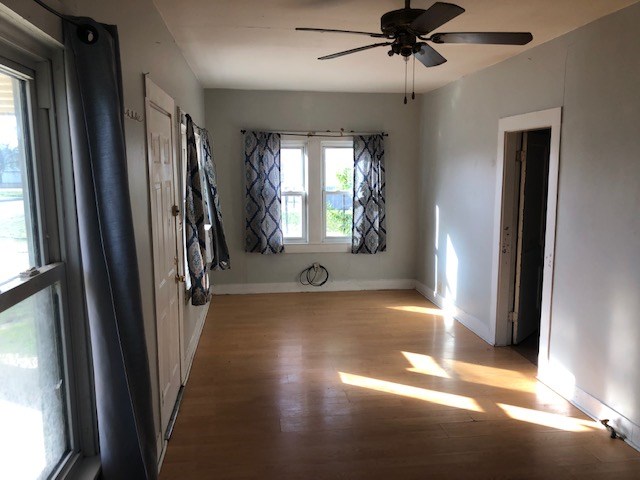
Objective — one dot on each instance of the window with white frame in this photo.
(43, 433)
(317, 193)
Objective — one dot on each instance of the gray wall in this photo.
(594, 74)
(229, 111)
(145, 46)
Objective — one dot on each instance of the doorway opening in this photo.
(531, 186)
(524, 231)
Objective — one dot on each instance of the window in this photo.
(39, 412)
(317, 194)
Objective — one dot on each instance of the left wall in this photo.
(146, 46)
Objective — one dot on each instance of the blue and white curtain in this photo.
(219, 251)
(194, 224)
(263, 226)
(369, 226)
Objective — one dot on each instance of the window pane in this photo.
(339, 214)
(33, 436)
(17, 239)
(292, 216)
(338, 169)
(292, 169)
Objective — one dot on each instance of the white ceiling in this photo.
(252, 44)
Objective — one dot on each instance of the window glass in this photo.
(33, 436)
(339, 214)
(292, 216)
(293, 184)
(18, 248)
(34, 433)
(338, 196)
(292, 169)
(338, 169)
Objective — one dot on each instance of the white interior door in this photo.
(164, 201)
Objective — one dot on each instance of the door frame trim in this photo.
(551, 118)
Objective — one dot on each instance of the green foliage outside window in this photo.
(339, 222)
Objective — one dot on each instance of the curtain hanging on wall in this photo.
(369, 233)
(263, 226)
(220, 252)
(109, 263)
(194, 223)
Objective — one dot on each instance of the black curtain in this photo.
(110, 266)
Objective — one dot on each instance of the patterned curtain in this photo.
(262, 167)
(369, 226)
(194, 223)
(219, 250)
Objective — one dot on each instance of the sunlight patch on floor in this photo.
(425, 364)
(440, 398)
(423, 310)
(469, 372)
(553, 420)
(492, 376)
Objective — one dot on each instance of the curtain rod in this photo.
(183, 120)
(325, 133)
(57, 13)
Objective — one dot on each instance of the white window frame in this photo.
(288, 142)
(314, 216)
(40, 61)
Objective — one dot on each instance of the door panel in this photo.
(533, 225)
(162, 175)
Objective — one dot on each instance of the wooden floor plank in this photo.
(372, 385)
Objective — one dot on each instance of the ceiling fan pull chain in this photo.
(413, 87)
(406, 60)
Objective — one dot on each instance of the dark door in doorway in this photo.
(532, 225)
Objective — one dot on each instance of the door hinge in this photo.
(512, 317)
(521, 156)
(175, 211)
(180, 278)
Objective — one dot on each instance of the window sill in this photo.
(317, 248)
(86, 468)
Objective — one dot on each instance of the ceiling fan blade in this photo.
(353, 50)
(491, 38)
(328, 30)
(435, 16)
(429, 57)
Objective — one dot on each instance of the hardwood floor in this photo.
(372, 385)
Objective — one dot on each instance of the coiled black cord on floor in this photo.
(316, 275)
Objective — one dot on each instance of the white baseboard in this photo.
(195, 340)
(590, 405)
(330, 286)
(474, 324)
(163, 452)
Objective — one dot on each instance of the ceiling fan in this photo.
(408, 30)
